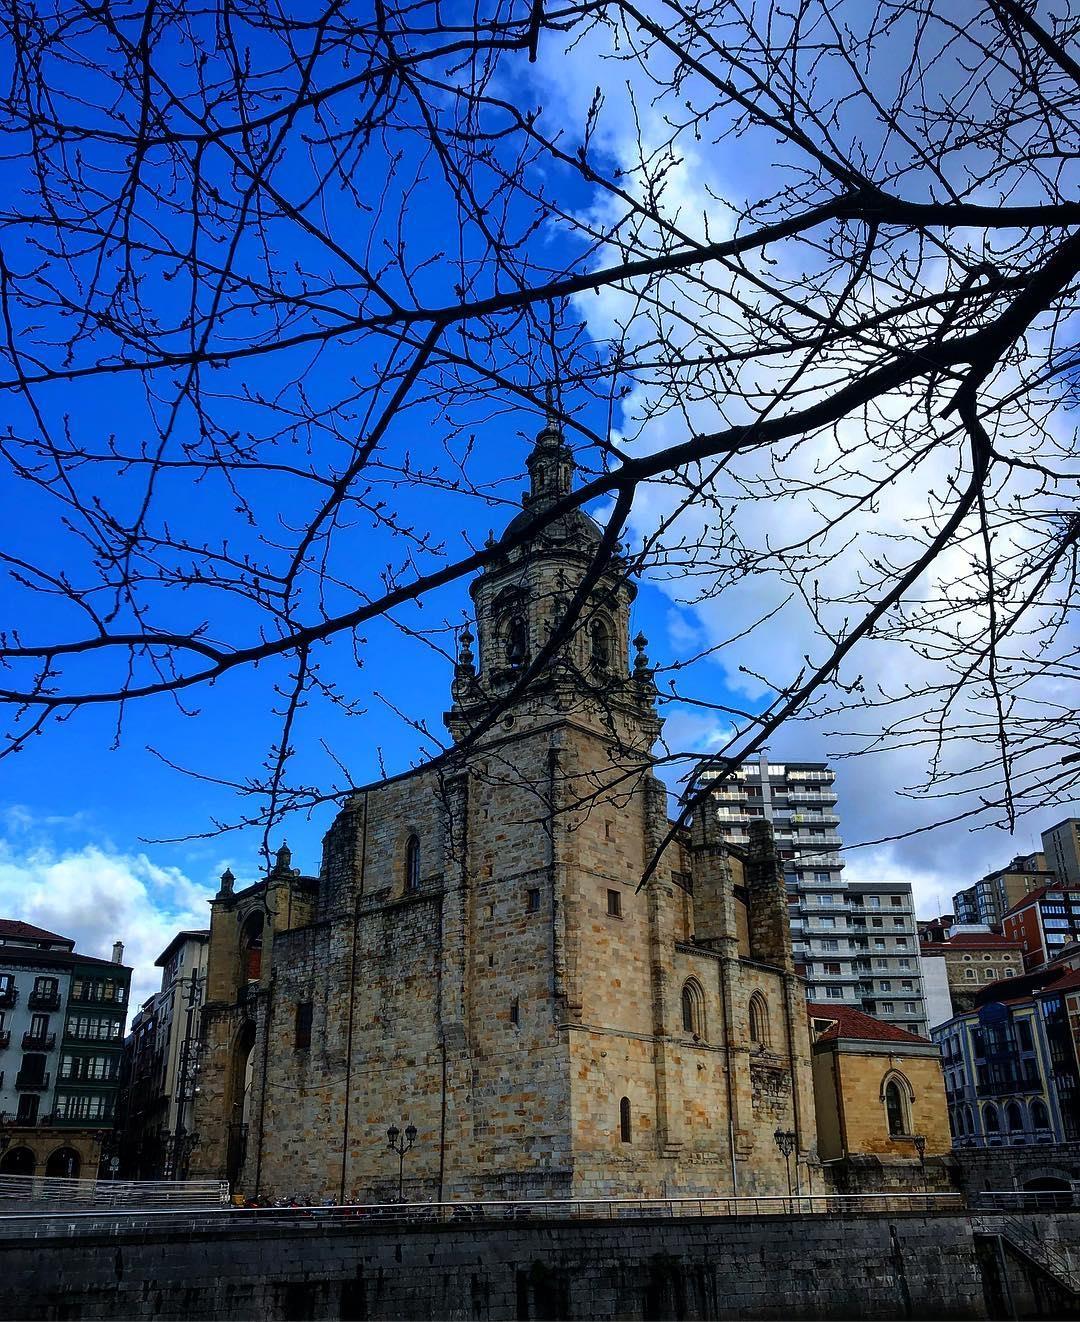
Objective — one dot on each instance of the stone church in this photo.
(477, 957)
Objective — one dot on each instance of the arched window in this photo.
(624, 1120)
(991, 1119)
(1013, 1119)
(693, 1008)
(969, 1118)
(251, 940)
(602, 651)
(759, 1020)
(896, 1109)
(1040, 1116)
(969, 973)
(515, 641)
(412, 863)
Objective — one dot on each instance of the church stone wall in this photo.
(531, 981)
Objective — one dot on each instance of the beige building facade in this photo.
(880, 1099)
(480, 957)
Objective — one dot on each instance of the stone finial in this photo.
(466, 661)
(641, 660)
(227, 883)
(282, 861)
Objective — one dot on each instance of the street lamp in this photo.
(785, 1140)
(401, 1143)
(920, 1147)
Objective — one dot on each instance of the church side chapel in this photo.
(476, 959)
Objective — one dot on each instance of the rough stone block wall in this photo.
(897, 1266)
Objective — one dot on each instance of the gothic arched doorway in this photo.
(17, 1161)
(240, 1076)
(65, 1162)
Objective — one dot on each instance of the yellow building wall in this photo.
(849, 1088)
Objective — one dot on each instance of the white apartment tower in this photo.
(856, 943)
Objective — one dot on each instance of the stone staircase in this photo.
(1045, 1259)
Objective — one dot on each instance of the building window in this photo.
(1023, 1032)
(991, 1119)
(28, 1109)
(302, 1034)
(896, 1109)
(1013, 1119)
(412, 863)
(515, 1011)
(602, 650)
(624, 1120)
(532, 900)
(988, 975)
(834, 993)
(969, 973)
(1040, 1117)
(614, 904)
(693, 1008)
(896, 901)
(515, 642)
(759, 1019)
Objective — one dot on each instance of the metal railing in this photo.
(42, 1195)
(33, 1041)
(32, 1082)
(119, 1207)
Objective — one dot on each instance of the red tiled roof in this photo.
(846, 1021)
(1067, 982)
(16, 928)
(975, 941)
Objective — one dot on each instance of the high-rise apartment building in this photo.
(991, 897)
(1061, 845)
(855, 943)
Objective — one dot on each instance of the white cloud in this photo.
(810, 485)
(96, 895)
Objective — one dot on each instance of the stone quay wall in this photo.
(881, 1266)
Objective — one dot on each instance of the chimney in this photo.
(118, 952)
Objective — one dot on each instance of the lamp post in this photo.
(920, 1147)
(401, 1143)
(785, 1140)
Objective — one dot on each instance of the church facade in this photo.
(477, 956)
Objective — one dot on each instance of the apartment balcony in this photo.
(796, 793)
(832, 861)
(801, 837)
(44, 1000)
(38, 1041)
(812, 819)
(32, 1082)
(1024, 1084)
(8, 997)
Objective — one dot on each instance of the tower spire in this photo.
(551, 464)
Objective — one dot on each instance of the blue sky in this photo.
(92, 824)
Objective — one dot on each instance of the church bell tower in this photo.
(524, 597)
